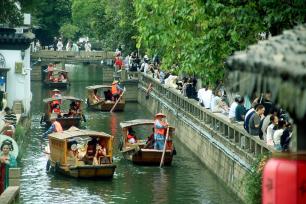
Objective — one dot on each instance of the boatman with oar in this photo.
(116, 90)
(55, 126)
(160, 127)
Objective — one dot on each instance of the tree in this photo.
(109, 21)
(201, 35)
(9, 13)
(49, 16)
(69, 31)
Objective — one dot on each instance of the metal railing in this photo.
(218, 125)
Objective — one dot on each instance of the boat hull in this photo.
(103, 106)
(66, 123)
(87, 171)
(148, 157)
(56, 84)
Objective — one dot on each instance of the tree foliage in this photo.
(69, 31)
(9, 13)
(49, 16)
(200, 35)
(109, 21)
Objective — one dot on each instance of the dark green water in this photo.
(186, 181)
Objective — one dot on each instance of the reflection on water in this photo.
(186, 181)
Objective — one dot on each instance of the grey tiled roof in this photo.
(277, 64)
(8, 36)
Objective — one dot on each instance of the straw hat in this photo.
(53, 116)
(115, 82)
(160, 115)
(56, 90)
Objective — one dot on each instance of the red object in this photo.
(2, 177)
(284, 181)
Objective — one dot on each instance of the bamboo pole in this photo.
(164, 150)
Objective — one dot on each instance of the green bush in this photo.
(253, 180)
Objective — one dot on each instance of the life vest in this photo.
(114, 89)
(118, 62)
(56, 110)
(58, 126)
(160, 131)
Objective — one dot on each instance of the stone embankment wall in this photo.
(222, 146)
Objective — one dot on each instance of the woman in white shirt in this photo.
(277, 135)
(270, 130)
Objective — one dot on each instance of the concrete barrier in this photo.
(11, 193)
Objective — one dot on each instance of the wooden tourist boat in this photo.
(65, 119)
(140, 152)
(57, 78)
(105, 103)
(69, 148)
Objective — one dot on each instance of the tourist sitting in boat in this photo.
(56, 109)
(62, 78)
(100, 155)
(90, 151)
(160, 127)
(131, 136)
(150, 141)
(50, 70)
(73, 150)
(116, 90)
(95, 97)
(73, 110)
(8, 128)
(108, 95)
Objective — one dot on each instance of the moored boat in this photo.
(142, 151)
(70, 150)
(99, 97)
(66, 118)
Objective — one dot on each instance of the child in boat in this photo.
(131, 136)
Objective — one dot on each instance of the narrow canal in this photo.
(186, 181)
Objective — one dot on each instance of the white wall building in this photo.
(15, 68)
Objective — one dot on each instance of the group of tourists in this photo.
(58, 45)
(259, 118)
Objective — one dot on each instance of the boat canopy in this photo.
(75, 132)
(98, 87)
(57, 70)
(136, 122)
(71, 98)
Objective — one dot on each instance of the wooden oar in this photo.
(164, 150)
(117, 101)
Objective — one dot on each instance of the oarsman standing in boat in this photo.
(55, 127)
(116, 90)
(160, 128)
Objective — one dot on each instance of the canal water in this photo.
(186, 181)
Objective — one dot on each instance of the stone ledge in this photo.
(9, 195)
